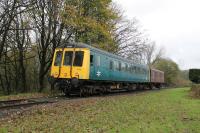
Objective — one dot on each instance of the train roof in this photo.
(153, 69)
(82, 45)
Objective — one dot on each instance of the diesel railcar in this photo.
(83, 69)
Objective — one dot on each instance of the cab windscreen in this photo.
(78, 60)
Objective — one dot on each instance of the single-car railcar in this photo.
(83, 69)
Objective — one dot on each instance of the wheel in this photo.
(81, 92)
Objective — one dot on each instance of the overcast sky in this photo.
(173, 24)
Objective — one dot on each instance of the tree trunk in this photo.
(41, 78)
(23, 72)
(42, 71)
(41, 83)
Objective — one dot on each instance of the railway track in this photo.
(12, 106)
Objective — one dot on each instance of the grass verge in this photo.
(163, 111)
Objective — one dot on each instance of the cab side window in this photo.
(58, 58)
(91, 60)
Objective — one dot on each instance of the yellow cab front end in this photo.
(71, 63)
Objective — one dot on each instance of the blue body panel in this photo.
(101, 70)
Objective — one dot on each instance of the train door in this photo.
(56, 64)
(98, 72)
(111, 69)
(92, 65)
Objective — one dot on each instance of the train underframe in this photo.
(89, 87)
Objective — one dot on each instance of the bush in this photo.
(195, 90)
(194, 75)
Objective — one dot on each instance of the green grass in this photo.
(165, 111)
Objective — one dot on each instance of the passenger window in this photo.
(126, 67)
(78, 61)
(91, 60)
(144, 71)
(135, 69)
(111, 65)
(98, 63)
(68, 58)
(116, 66)
(140, 70)
(129, 68)
(120, 66)
(58, 58)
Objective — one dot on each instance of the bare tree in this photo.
(49, 29)
(9, 10)
(22, 42)
(153, 53)
(131, 41)
(14, 39)
(6, 18)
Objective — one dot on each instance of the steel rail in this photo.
(21, 105)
